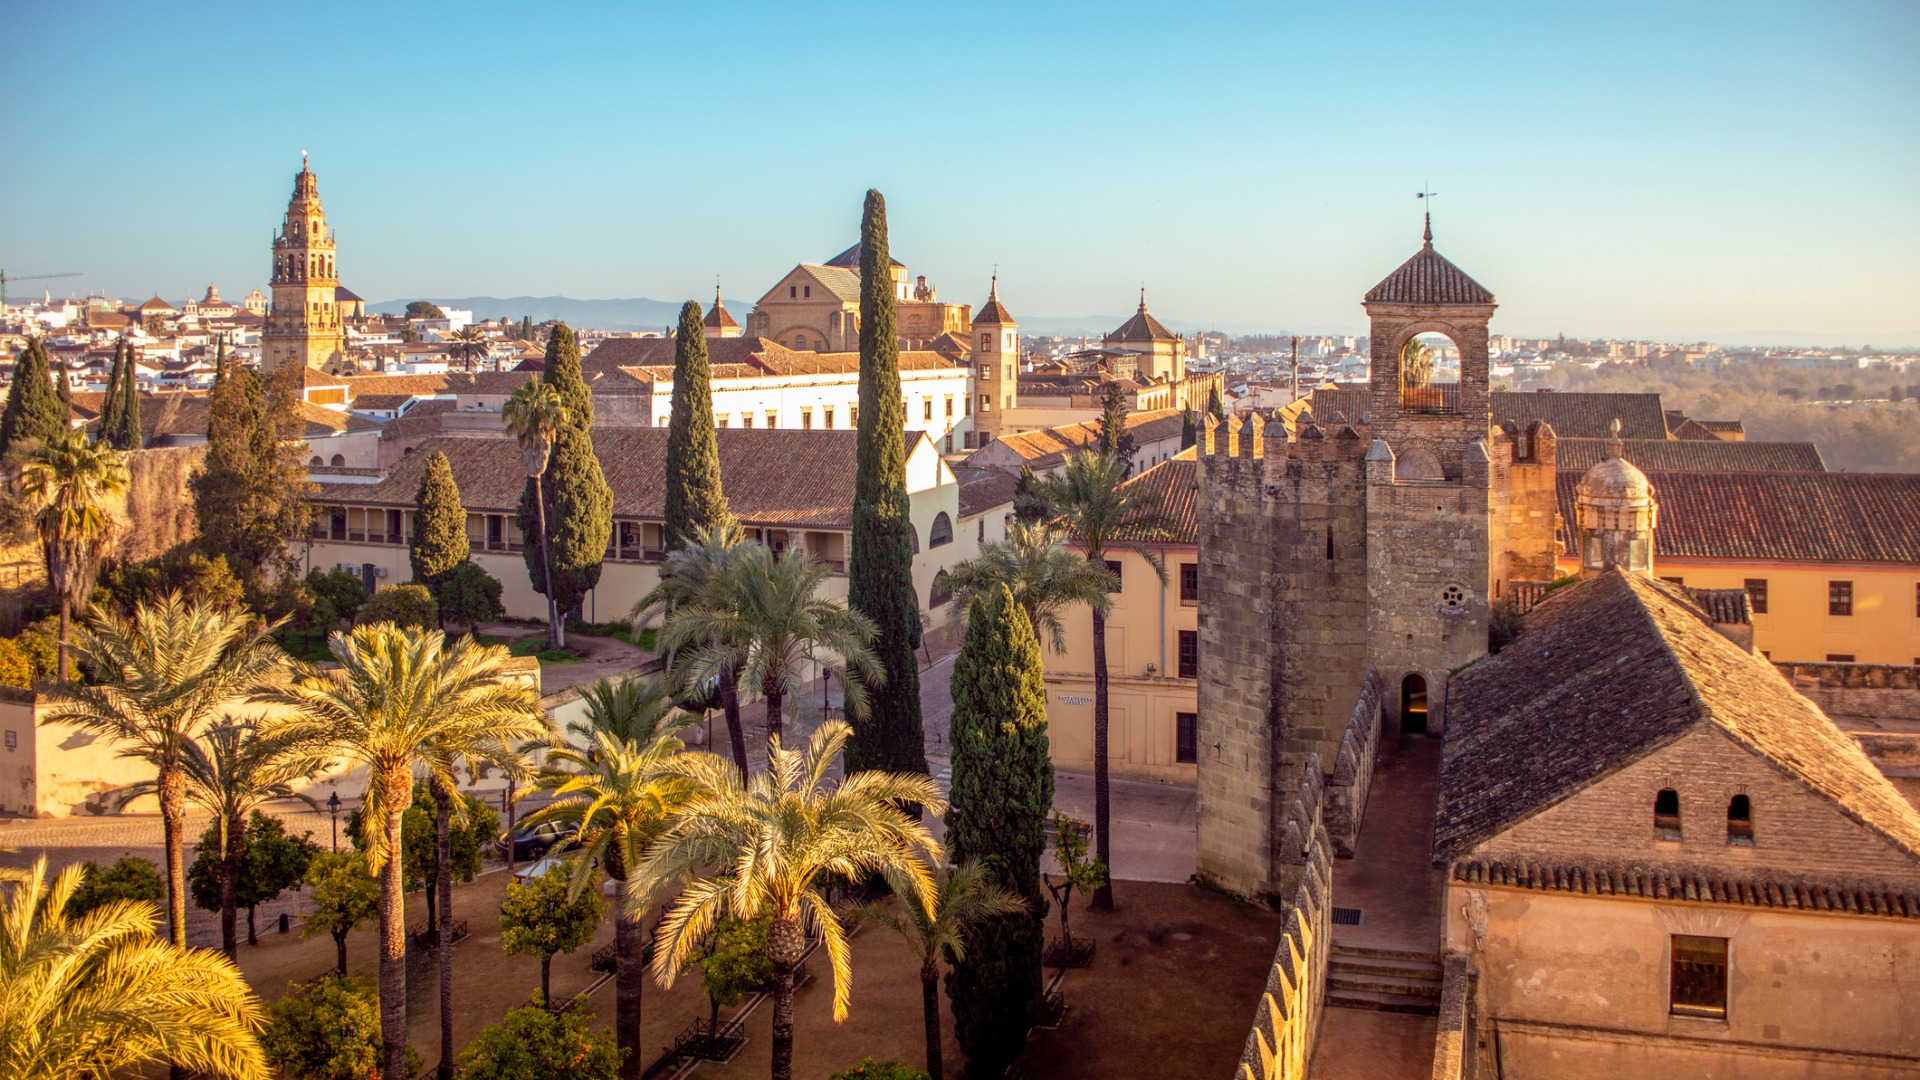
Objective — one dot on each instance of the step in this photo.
(1384, 984)
(1385, 951)
(1380, 965)
(1393, 1003)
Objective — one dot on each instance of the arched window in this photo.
(1740, 821)
(339, 459)
(915, 533)
(1666, 814)
(941, 594)
(1413, 704)
(316, 460)
(942, 531)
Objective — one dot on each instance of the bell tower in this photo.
(996, 366)
(304, 325)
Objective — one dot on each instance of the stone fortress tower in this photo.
(1370, 543)
(304, 326)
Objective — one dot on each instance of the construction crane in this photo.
(27, 277)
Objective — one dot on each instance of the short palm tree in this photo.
(534, 414)
(161, 676)
(963, 897)
(685, 575)
(617, 795)
(1097, 509)
(398, 701)
(231, 769)
(763, 618)
(64, 485)
(777, 842)
(1045, 579)
(469, 344)
(100, 995)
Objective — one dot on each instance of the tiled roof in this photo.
(1668, 455)
(842, 282)
(850, 259)
(1692, 430)
(1723, 427)
(718, 318)
(993, 311)
(772, 477)
(986, 489)
(1340, 404)
(1583, 416)
(1047, 447)
(1609, 671)
(1141, 329)
(1693, 885)
(1833, 517)
(341, 292)
(1174, 486)
(1428, 278)
(421, 421)
(1731, 606)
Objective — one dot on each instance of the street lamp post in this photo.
(333, 811)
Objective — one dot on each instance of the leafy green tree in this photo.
(1114, 437)
(685, 578)
(16, 667)
(534, 415)
(337, 597)
(328, 1030)
(440, 542)
(1078, 873)
(1045, 578)
(1101, 512)
(1001, 795)
(33, 410)
(424, 309)
(343, 894)
(251, 493)
(270, 862)
(574, 508)
(469, 596)
(880, 568)
(544, 916)
(473, 830)
(403, 605)
(469, 345)
(129, 878)
(538, 1044)
(66, 485)
(733, 963)
(695, 499)
(62, 387)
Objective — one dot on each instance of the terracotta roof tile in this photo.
(1141, 329)
(986, 489)
(1705, 886)
(1611, 670)
(1676, 455)
(1583, 416)
(1428, 278)
(1047, 447)
(1174, 485)
(1833, 517)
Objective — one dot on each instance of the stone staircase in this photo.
(1384, 978)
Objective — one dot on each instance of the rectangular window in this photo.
(773, 418)
(949, 406)
(1189, 654)
(986, 341)
(806, 291)
(1699, 976)
(986, 403)
(926, 409)
(1674, 580)
(746, 419)
(793, 292)
(826, 418)
(806, 419)
(1839, 597)
(986, 371)
(13, 740)
(1839, 658)
(722, 420)
(1113, 567)
(853, 416)
(1757, 595)
(1189, 583)
(1185, 738)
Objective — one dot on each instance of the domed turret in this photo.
(1616, 514)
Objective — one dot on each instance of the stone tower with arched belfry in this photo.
(996, 366)
(304, 326)
(1347, 570)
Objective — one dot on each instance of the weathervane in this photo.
(1426, 193)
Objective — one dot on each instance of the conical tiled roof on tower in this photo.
(717, 317)
(993, 311)
(1428, 278)
(1142, 327)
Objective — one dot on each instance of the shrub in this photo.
(16, 667)
(40, 643)
(869, 1069)
(404, 606)
(328, 1030)
(131, 878)
(337, 597)
(534, 1044)
(469, 596)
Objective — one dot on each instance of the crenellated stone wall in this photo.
(1352, 779)
(1869, 692)
(1286, 1023)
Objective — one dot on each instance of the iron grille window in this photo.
(1839, 597)
(1189, 583)
(1699, 976)
(1186, 748)
(1757, 595)
(1189, 654)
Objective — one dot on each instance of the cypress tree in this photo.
(1189, 429)
(1002, 795)
(131, 437)
(1115, 439)
(579, 504)
(439, 525)
(695, 499)
(33, 407)
(61, 386)
(110, 401)
(1216, 404)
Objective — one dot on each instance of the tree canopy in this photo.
(695, 498)
(440, 541)
(34, 409)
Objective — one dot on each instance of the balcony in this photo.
(1437, 399)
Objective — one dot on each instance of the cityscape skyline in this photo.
(1682, 192)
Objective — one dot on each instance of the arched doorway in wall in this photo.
(1413, 704)
(1430, 375)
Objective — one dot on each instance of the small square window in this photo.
(1186, 738)
(1839, 597)
(1757, 595)
(1699, 968)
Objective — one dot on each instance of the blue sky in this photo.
(1676, 170)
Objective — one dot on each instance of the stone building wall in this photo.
(1352, 779)
(1286, 1023)
(1873, 693)
(157, 512)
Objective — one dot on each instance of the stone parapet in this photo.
(1352, 778)
(1286, 1023)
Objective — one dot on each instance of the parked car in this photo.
(536, 840)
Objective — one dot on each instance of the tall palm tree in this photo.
(161, 675)
(777, 841)
(617, 795)
(64, 485)
(533, 414)
(399, 699)
(685, 575)
(230, 770)
(964, 897)
(1092, 503)
(100, 995)
(1045, 579)
(763, 619)
(469, 343)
